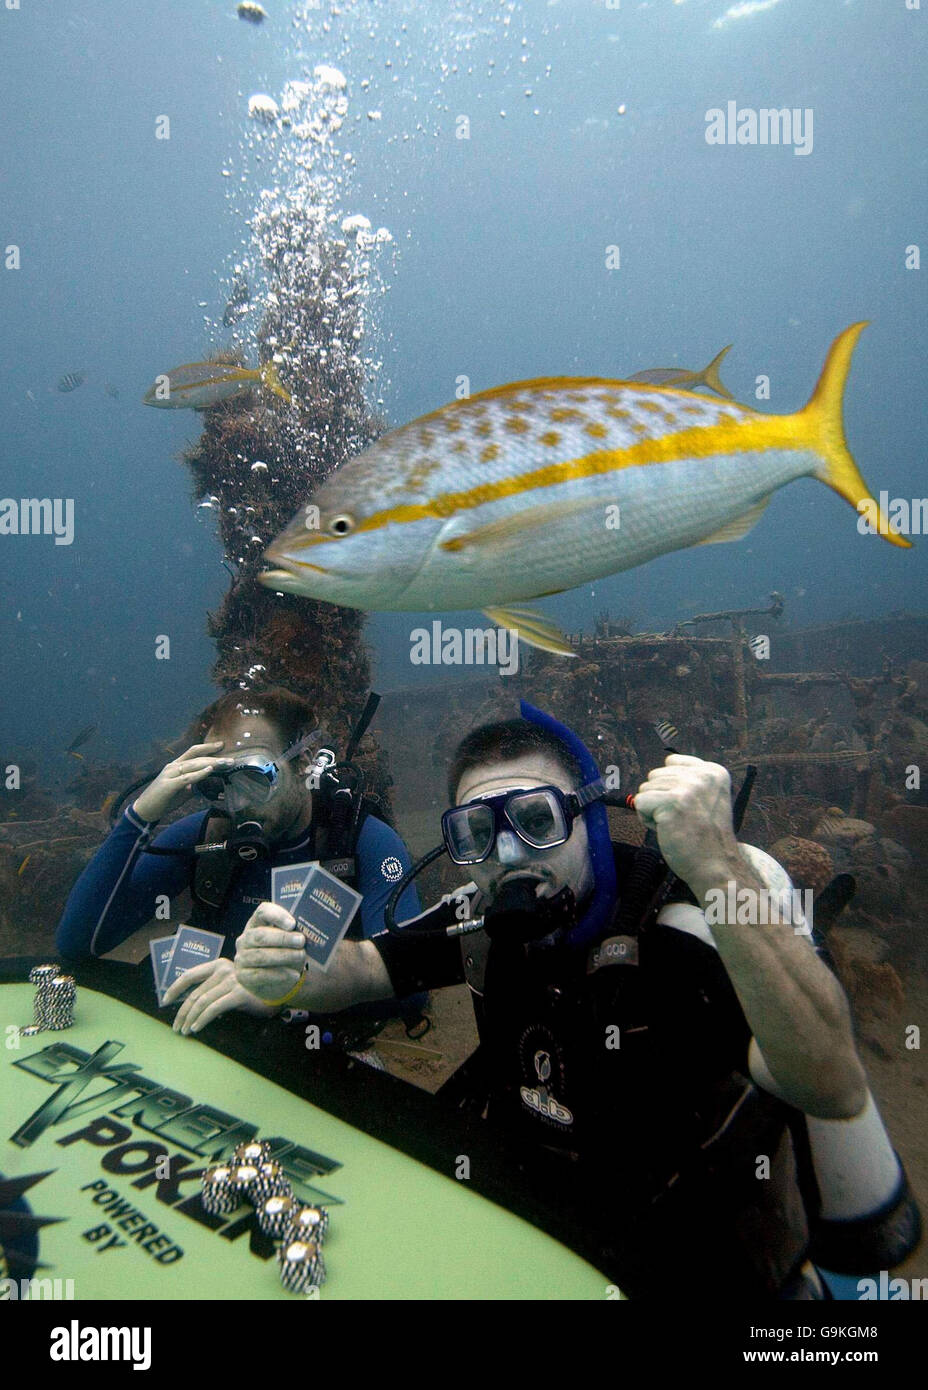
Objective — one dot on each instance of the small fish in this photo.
(666, 732)
(112, 391)
(533, 628)
(542, 486)
(251, 11)
(239, 302)
(202, 385)
(680, 376)
(81, 738)
(22, 867)
(107, 803)
(71, 380)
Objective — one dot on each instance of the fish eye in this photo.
(341, 525)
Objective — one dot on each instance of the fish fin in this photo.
(734, 530)
(823, 427)
(709, 376)
(510, 529)
(533, 628)
(271, 380)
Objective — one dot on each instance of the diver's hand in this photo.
(216, 990)
(270, 955)
(177, 779)
(687, 802)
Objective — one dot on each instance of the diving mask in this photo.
(542, 817)
(251, 780)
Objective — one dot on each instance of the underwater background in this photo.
(150, 192)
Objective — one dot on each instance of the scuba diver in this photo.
(684, 1102)
(274, 798)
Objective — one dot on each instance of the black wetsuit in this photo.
(618, 1085)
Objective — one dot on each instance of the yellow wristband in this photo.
(274, 1003)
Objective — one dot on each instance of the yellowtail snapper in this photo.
(202, 385)
(540, 486)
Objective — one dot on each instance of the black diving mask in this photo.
(542, 817)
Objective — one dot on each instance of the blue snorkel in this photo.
(597, 828)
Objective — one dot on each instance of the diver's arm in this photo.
(794, 1006)
(271, 965)
(118, 890)
(270, 962)
(868, 1218)
(796, 1009)
(357, 975)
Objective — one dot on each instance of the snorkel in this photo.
(602, 903)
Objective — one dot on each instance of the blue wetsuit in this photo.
(120, 888)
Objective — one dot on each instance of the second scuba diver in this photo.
(250, 762)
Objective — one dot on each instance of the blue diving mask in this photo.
(252, 780)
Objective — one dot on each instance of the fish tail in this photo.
(823, 427)
(709, 376)
(271, 380)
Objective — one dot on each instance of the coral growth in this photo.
(257, 461)
(807, 863)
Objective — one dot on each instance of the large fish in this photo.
(533, 488)
(201, 385)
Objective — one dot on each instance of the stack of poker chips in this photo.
(55, 995)
(300, 1265)
(299, 1255)
(275, 1215)
(251, 1174)
(218, 1191)
(310, 1223)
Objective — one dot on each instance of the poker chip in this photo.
(40, 974)
(275, 1215)
(218, 1191)
(310, 1223)
(244, 1177)
(269, 1182)
(255, 1152)
(300, 1265)
(29, 1030)
(54, 1000)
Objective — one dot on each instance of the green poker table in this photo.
(106, 1127)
